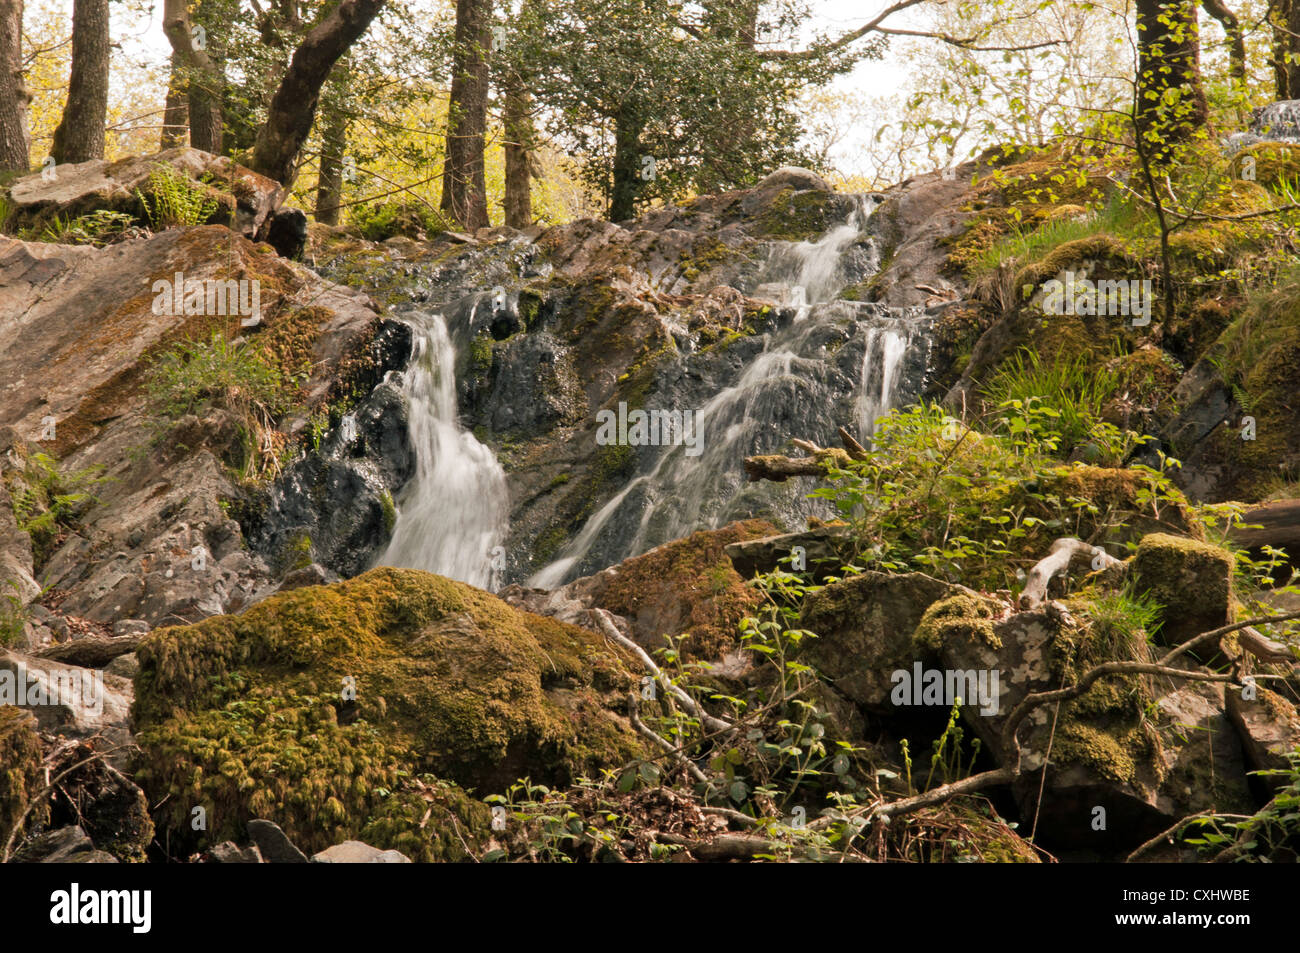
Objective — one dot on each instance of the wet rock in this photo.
(288, 233)
(355, 852)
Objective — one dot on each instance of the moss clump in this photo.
(960, 616)
(389, 510)
(796, 215)
(689, 587)
(1106, 249)
(22, 777)
(1273, 162)
(312, 707)
(703, 258)
(1190, 578)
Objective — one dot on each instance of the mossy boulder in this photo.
(864, 626)
(348, 711)
(22, 777)
(1269, 728)
(1191, 579)
(687, 588)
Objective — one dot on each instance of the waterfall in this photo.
(453, 515)
(682, 493)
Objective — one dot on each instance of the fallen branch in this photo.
(1058, 561)
(662, 742)
(608, 627)
(90, 652)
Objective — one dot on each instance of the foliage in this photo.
(13, 615)
(49, 502)
(173, 201)
(99, 228)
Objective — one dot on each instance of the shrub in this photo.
(176, 201)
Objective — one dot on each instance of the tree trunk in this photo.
(1277, 52)
(15, 145)
(293, 108)
(203, 76)
(176, 114)
(627, 166)
(80, 133)
(1232, 31)
(518, 123)
(1169, 59)
(334, 141)
(1291, 40)
(464, 191)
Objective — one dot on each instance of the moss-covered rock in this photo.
(1191, 579)
(687, 588)
(316, 707)
(864, 626)
(22, 777)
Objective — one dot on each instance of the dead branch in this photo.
(90, 652)
(695, 711)
(1058, 561)
(677, 757)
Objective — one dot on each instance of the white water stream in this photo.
(453, 515)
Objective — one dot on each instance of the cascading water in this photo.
(681, 492)
(453, 515)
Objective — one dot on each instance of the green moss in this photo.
(389, 510)
(960, 616)
(247, 714)
(22, 776)
(1103, 248)
(1274, 162)
(1190, 578)
(796, 215)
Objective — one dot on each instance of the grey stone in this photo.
(274, 844)
(356, 852)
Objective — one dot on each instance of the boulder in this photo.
(1269, 728)
(1190, 579)
(355, 852)
(363, 709)
(865, 626)
(246, 201)
(67, 845)
(228, 852)
(273, 844)
(67, 698)
(824, 550)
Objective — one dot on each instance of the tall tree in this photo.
(1171, 104)
(176, 112)
(15, 145)
(80, 133)
(464, 190)
(334, 142)
(203, 74)
(293, 107)
(517, 123)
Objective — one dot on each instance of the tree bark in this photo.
(176, 113)
(1169, 59)
(15, 144)
(464, 190)
(293, 108)
(1279, 526)
(80, 133)
(518, 122)
(202, 76)
(334, 141)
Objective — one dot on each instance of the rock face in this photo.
(160, 544)
(332, 691)
(1269, 727)
(245, 200)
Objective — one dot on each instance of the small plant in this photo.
(13, 616)
(99, 228)
(1122, 621)
(175, 201)
(47, 502)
